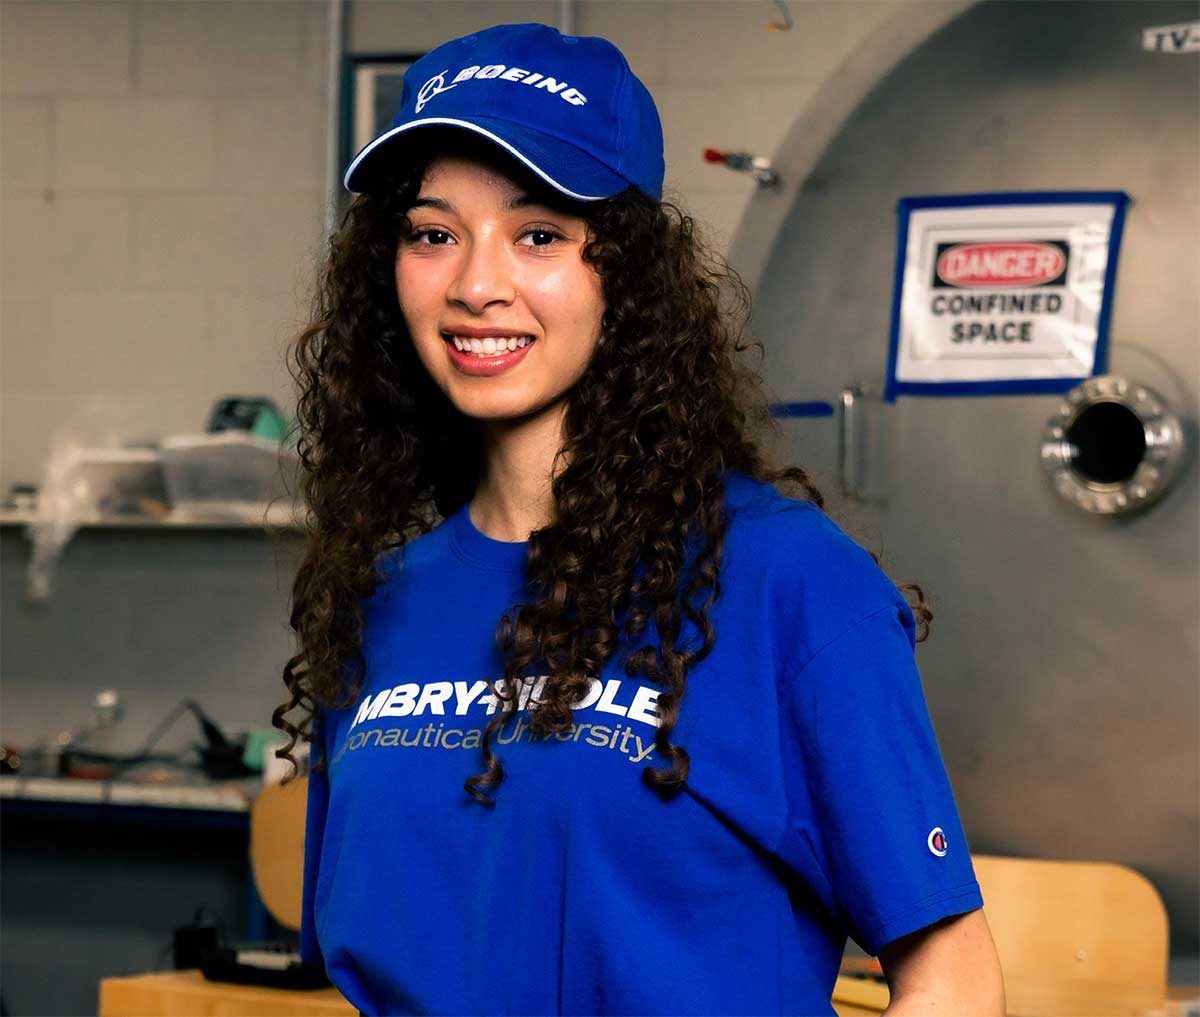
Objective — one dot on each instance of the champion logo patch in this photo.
(937, 841)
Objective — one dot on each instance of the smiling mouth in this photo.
(489, 347)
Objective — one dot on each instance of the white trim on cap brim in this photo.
(470, 127)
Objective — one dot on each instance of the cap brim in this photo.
(576, 173)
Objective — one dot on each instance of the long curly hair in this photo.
(662, 409)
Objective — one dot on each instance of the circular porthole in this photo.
(1113, 447)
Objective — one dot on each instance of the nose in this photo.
(484, 276)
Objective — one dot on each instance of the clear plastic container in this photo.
(235, 468)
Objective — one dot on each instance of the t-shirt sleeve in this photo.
(870, 807)
(314, 835)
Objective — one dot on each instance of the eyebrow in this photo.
(520, 200)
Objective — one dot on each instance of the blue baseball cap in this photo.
(567, 106)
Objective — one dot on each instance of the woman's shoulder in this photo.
(759, 506)
(757, 510)
(746, 495)
(805, 563)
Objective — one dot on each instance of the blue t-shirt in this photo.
(817, 804)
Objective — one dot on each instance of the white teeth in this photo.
(491, 345)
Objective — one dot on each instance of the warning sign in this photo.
(1002, 293)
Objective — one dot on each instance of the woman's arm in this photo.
(948, 968)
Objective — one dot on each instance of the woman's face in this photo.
(485, 256)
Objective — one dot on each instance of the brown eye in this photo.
(545, 233)
(428, 231)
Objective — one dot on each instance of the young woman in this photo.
(601, 720)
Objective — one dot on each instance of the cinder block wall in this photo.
(161, 168)
(162, 183)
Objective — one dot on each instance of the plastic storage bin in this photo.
(233, 468)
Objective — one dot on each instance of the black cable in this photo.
(162, 953)
(220, 758)
(219, 747)
(220, 922)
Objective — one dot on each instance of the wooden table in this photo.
(856, 997)
(190, 994)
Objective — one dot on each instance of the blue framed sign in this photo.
(1002, 294)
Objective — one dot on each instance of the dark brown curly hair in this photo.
(663, 408)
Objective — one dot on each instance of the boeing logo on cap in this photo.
(604, 136)
(437, 84)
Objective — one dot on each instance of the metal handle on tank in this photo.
(851, 447)
(847, 439)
